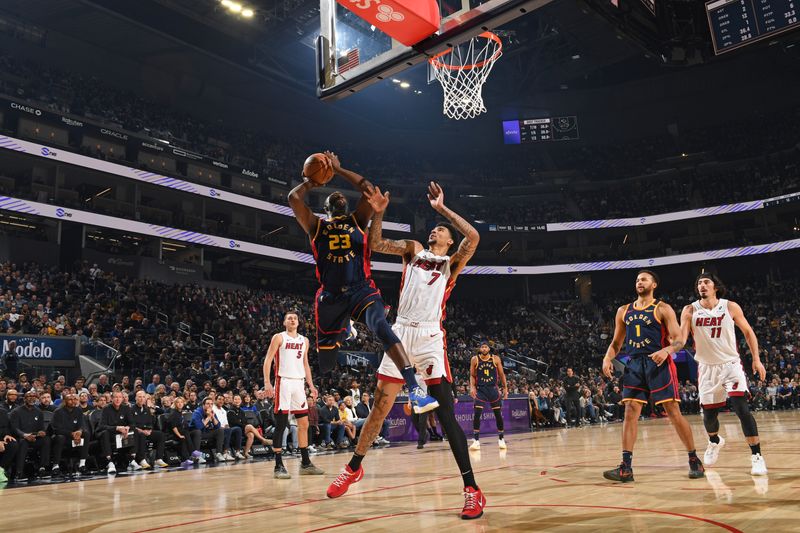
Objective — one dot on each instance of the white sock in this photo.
(82, 462)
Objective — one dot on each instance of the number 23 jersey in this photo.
(341, 252)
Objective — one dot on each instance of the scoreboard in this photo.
(736, 23)
(540, 129)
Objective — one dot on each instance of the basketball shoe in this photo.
(476, 445)
(696, 469)
(712, 452)
(501, 443)
(623, 474)
(421, 401)
(344, 480)
(759, 466)
(474, 502)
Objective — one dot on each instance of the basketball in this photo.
(407, 409)
(318, 169)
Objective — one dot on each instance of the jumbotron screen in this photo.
(540, 129)
(736, 23)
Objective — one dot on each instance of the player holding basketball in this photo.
(644, 327)
(484, 371)
(289, 350)
(346, 290)
(710, 320)
(429, 275)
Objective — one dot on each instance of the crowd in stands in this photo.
(220, 382)
(764, 148)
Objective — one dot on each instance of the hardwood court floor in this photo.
(550, 480)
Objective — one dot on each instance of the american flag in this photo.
(348, 61)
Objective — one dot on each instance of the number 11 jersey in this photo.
(714, 334)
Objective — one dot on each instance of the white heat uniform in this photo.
(719, 368)
(290, 395)
(424, 290)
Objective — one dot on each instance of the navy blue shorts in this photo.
(644, 379)
(490, 395)
(333, 311)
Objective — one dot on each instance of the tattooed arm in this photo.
(471, 236)
(405, 248)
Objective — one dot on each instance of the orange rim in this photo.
(486, 35)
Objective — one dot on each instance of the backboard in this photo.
(352, 54)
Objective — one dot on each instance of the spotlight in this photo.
(235, 7)
(247, 13)
(405, 84)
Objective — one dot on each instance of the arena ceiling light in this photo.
(238, 9)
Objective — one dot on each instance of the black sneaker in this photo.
(281, 473)
(20, 479)
(83, 471)
(420, 446)
(696, 468)
(623, 474)
(55, 472)
(42, 474)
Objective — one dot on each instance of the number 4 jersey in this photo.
(341, 252)
(425, 287)
(714, 334)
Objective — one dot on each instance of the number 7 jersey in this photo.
(424, 288)
(342, 252)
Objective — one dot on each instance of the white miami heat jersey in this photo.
(289, 359)
(714, 334)
(425, 287)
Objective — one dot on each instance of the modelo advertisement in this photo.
(516, 418)
(43, 350)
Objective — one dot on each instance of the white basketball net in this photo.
(462, 71)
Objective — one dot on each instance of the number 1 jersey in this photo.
(342, 253)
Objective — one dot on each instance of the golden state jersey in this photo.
(342, 252)
(644, 334)
(486, 372)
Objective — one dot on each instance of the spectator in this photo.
(115, 427)
(232, 435)
(8, 446)
(144, 432)
(329, 422)
(70, 431)
(28, 424)
(206, 421)
(188, 439)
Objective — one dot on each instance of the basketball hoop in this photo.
(462, 71)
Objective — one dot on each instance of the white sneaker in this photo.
(229, 457)
(134, 466)
(111, 468)
(219, 457)
(476, 445)
(759, 467)
(712, 452)
(201, 460)
(144, 464)
(312, 449)
(501, 443)
(161, 464)
(239, 456)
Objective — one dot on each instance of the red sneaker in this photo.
(344, 480)
(474, 502)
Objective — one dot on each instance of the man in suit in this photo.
(363, 409)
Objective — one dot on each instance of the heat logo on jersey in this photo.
(340, 247)
(709, 321)
(299, 346)
(429, 264)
